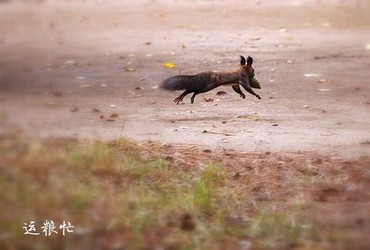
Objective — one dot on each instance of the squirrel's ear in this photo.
(242, 60)
(249, 61)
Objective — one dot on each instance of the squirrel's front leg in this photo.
(247, 87)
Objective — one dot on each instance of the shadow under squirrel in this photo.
(206, 81)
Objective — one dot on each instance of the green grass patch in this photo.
(117, 199)
(281, 226)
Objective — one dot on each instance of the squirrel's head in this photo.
(247, 68)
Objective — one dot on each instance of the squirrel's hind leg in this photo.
(181, 97)
(237, 89)
(192, 98)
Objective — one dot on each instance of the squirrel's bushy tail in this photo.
(189, 82)
(176, 82)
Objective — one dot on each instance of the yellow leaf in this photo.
(169, 65)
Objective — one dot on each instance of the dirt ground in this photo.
(91, 70)
(60, 62)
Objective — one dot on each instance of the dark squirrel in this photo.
(206, 81)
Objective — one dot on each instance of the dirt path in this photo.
(76, 70)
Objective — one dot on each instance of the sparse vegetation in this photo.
(121, 195)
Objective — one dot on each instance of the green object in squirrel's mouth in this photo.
(254, 83)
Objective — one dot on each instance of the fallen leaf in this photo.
(216, 133)
(83, 86)
(50, 103)
(322, 80)
(236, 175)
(69, 62)
(250, 117)
(114, 115)
(139, 88)
(221, 93)
(57, 93)
(109, 120)
(255, 38)
(155, 87)
(51, 25)
(74, 109)
(130, 69)
(161, 14)
(169, 65)
(182, 128)
(310, 75)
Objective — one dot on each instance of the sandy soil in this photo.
(92, 71)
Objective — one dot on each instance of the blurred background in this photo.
(88, 137)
